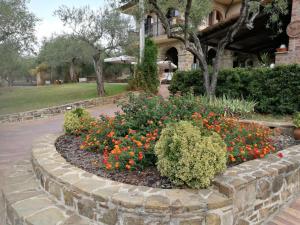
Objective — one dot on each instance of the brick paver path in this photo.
(288, 215)
(16, 140)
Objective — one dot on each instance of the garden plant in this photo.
(152, 131)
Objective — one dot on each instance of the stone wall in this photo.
(52, 111)
(245, 194)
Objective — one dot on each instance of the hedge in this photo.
(276, 91)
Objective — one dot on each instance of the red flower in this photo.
(280, 155)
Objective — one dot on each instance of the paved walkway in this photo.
(16, 140)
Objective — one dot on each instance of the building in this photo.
(245, 50)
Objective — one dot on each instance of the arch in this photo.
(148, 25)
(172, 55)
(211, 54)
(214, 17)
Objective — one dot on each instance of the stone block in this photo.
(157, 203)
(86, 208)
(277, 184)
(212, 219)
(110, 217)
(133, 220)
(263, 189)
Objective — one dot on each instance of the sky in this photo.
(49, 23)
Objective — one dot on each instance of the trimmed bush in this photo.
(77, 120)
(276, 91)
(146, 73)
(187, 156)
(296, 119)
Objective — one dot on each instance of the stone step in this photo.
(25, 203)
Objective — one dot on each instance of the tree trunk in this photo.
(99, 74)
(73, 76)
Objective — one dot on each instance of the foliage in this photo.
(127, 140)
(228, 106)
(12, 64)
(62, 49)
(244, 141)
(77, 120)
(187, 156)
(104, 30)
(275, 90)
(146, 75)
(17, 24)
(296, 119)
(66, 50)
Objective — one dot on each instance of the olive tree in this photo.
(105, 30)
(194, 13)
(65, 50)
(17, 24)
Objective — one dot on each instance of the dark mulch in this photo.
(69, 147)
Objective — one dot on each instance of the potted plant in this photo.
(296, 121)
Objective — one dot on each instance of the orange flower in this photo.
(117, 165)
(131, 154)
(108, 166)
(131, 162)
(111, 134)
(128, 167)
(140, 157)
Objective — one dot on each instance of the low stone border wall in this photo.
(55, 110)
(245, 194)
(285, 128)
(112, 202)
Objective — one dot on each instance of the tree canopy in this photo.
(105, 30)
(17, 24)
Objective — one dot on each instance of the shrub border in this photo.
(245, 194)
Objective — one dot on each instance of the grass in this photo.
(20, 99)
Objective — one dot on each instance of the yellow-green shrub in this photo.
(77, 120)
(188, 156)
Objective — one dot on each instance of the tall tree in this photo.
(104, 30)
(17, 24)
(12, 64)
(194, 13)
(66, 49)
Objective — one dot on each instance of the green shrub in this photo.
(228, 106)
(77, 120)
(276, 91)
(187, 156)
(296, 119)
(146, 73)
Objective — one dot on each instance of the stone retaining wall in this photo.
(245, 194)
(55, 110)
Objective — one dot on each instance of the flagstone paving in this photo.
(16, 140)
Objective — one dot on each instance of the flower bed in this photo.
(126, 142)
(248, 193)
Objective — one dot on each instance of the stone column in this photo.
(185, 60)
(226, 60)
(293, 31)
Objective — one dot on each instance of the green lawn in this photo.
(19, 99)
